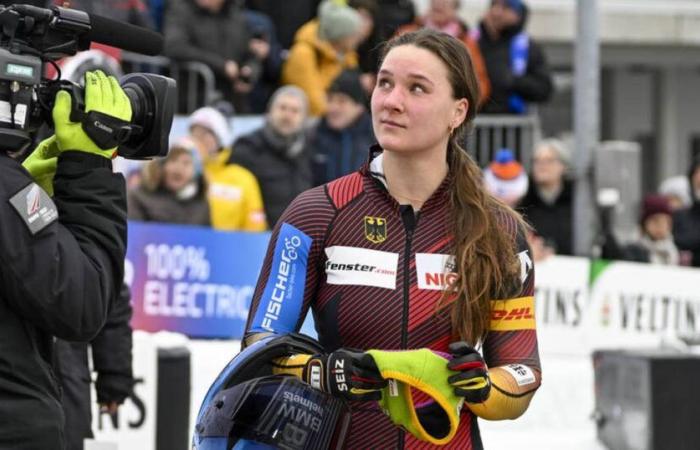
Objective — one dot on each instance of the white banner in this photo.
(638, 305)
(626, 305)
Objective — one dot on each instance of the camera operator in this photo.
(61, 260)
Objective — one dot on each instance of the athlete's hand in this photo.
(102, 94)
(472, 382)
(348, 374)
(41, 163)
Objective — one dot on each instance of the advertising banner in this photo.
(192, 280)
(638, 305)
(582, 305)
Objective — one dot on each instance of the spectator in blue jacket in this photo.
(515, 63)
(342, 137)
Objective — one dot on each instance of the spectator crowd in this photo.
(309, 67)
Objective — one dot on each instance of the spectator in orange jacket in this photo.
(322, 49)
(442, 16)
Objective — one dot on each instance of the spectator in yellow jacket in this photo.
(322, 48)
(234, 196)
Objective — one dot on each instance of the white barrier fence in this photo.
(580, 306)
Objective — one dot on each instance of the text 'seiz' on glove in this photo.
(98, 129)
(348, 374)
(472, 380)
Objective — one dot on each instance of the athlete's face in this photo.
(413, 108)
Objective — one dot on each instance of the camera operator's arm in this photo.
(61, 261)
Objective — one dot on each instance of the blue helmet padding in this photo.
(245, 444)
(213, 443)
(253, 361)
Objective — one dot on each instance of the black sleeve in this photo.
(111, 352)
(63, 278)
(178, 45)
(686, 233)
(242, 153)
(536, 84)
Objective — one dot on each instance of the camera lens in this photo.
(136, 96)
(152, 99)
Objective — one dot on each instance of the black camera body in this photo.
(31, 37)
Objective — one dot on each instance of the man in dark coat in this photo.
(341, 140)
(686, 222)
(547, 206)
(277, 153)
(515, 63)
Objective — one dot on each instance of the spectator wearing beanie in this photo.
(657, 223)
(505, 178)
(172, 189)
(686, 223)
(341, 139)
(235, 201)
(548, 204)
(655, 245)
(322, 48)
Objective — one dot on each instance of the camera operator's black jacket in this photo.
(57, 282)
(111, 359)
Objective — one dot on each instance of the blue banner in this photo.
(192, 280)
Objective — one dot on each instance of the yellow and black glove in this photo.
(472, 380)
(104, 96)
(347, 374)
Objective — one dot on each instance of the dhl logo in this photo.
(513, 314)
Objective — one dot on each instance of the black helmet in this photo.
(247, 404)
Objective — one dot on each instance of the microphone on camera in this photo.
(124, 35)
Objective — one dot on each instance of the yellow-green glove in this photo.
(41, 163)
(102, 94)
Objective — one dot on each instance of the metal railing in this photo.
(494, 132)
(196, 82)
(490, 134)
